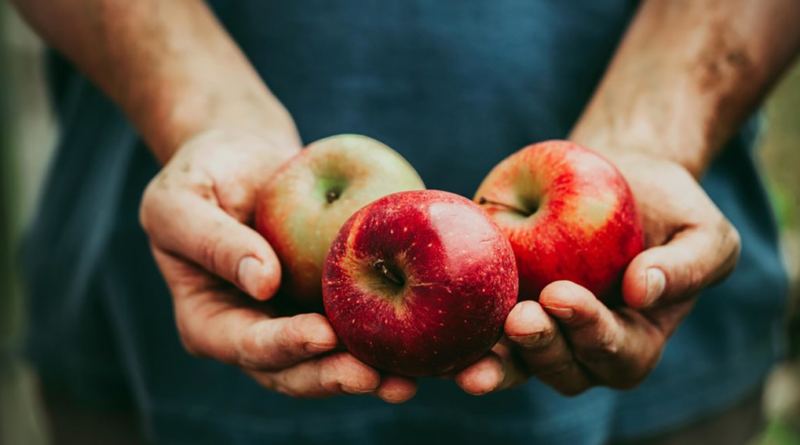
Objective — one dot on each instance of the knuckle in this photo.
(253, 349)
(556, 369)
(682, 173)
(249, 353)
(734, 239)
(265, 380)
(282, 384)
(629, 382)
(335, 364)
(332, 387)
(572, 389)
(330, 383)
(292, 334)
(731, 234)
(605, 348)
(563, 378)
(696, 278)
(287, 391)
(633, 375)
(147, 207)
(647, 367)
(207, 252)
(332, 369)
(590, 321)
(191, 346)
(188, 341)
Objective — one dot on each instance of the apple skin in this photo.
(308, 200)
(449, 283)
(569, 215)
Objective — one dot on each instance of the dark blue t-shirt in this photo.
(455, 86)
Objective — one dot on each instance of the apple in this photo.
(419, 283)
(305, 203)
(569, 215)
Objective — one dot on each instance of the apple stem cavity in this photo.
(381, 267)
(483, 200)
(332, 195)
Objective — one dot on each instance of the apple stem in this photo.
(381, 267)
(482, 200)
(332, 195)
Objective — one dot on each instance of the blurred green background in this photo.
(27, 134)
(780, 156)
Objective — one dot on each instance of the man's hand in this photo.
(572, 341)
(176, 73)
(682, 81)
(196, 212)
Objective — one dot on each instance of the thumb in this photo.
(186, 225)
(692, 260)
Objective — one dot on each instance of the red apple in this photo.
(305, 204)
(569, 215)
(419, 283)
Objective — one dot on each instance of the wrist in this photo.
(167, 126)
(259, 154)
(641, 138)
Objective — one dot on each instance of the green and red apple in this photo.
(569, 215)
(308, 200)
(419, 283)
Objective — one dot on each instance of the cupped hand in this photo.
(571, 341)
(197, 212)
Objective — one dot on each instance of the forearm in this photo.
(169, 65)
(687, 74)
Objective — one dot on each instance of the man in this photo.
(455, 87)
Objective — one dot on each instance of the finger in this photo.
(195, 228)
(396, 389)
(544, 350)
(694, 259)
(278, 343)
(216, 321)
(335, 374)
(483, 376)
(618, 349)
(496, 371)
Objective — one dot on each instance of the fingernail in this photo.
(655, 284)
(248, 274)
(356, 391)
(527, 340)
(562, 313)
(529, 311)
(316, 348)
